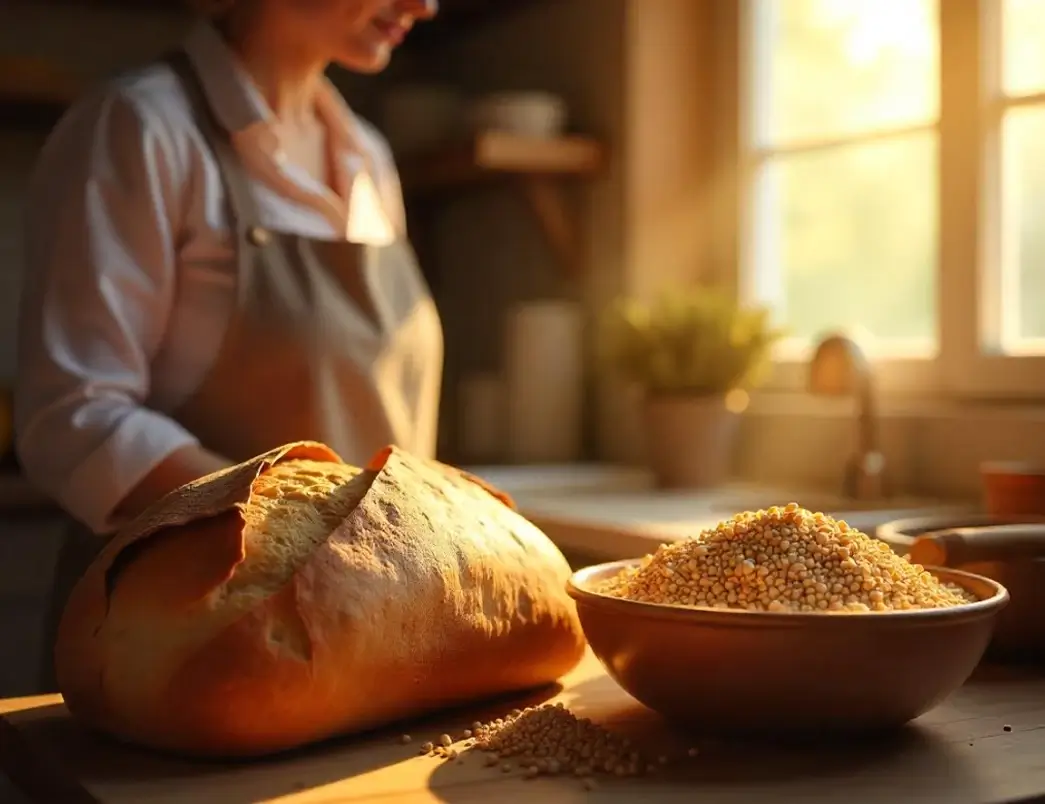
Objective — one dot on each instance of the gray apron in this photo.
(337, 342)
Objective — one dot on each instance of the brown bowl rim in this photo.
(1012, 469)
(703, 615)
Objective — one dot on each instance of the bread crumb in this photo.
(292, 509)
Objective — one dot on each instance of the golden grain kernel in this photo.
(783, 560)
(406, 738)
(427, 748)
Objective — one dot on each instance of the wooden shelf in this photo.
(34, 92)
(535, 167)
(495, 155)
(28, 115)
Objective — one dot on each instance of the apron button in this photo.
(257, 236)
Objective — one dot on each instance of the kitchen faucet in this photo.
(840, 368)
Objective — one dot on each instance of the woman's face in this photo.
(358, 35)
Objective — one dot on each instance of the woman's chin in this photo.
(367, 59)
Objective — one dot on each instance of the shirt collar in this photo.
(238, 104)
(233, 98)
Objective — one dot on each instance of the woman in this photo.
(216, 266)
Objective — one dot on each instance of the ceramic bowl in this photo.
(729, 672)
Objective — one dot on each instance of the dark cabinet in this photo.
(454, 15)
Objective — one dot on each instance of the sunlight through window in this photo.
(1022, 276)
(844, 198)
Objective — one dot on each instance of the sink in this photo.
(618, 513)
(653, 509)
(730, 502)
(633, 488)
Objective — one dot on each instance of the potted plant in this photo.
(693, 354)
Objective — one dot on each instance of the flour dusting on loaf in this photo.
(294, 598)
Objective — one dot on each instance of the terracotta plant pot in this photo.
(689, 440)
(1014, 488)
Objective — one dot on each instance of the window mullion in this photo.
(990, 290)
(731, 218)
(1002, 103)
(841, 141)
(965, 218)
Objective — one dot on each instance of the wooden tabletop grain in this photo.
(986, 745)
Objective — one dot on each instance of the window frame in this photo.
(970, 242)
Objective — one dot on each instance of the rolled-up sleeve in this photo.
(102, 211)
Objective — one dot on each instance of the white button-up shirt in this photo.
(131, 270)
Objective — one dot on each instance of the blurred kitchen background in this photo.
(867, 168)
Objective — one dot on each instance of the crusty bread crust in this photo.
(293, 598)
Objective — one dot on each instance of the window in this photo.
(892, 183)
(1020, 116)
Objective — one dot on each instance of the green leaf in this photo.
(698, 341)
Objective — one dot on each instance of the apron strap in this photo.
(243, 205)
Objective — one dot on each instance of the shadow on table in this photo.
(1007, 672)
(48, 754)
(910, 764)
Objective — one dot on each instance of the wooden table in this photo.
(987, 744)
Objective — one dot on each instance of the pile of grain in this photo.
(550, 739)
(546, 740)
(784, 560)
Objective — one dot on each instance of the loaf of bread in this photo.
(293, 598)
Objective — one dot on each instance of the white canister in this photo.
(481, 418)
(544, 371)
(539, 115)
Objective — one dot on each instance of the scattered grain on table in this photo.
(549, 740)
(784, 559)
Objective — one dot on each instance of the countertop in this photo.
(608, 513)
(983, 746)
